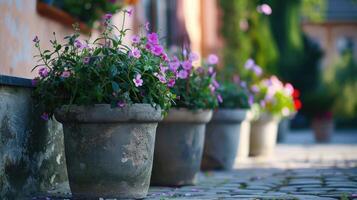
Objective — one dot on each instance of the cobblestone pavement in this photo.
(295, 171)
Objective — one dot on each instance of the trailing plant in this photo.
(104, 71)
(195, 88)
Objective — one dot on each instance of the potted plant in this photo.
(109, 99)
(318, 108)
(180, 136)
(223, 131)
(274, 101)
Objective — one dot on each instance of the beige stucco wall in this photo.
(20, 22)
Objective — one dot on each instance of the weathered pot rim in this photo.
(184, 115)
(103, 113)
(230, 115)
(266, 117)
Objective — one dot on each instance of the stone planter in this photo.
(222, 139)
(109, 151)
(244, 137)
(179, 146)
(323, 129)
(263, 135)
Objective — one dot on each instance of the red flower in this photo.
(296, 93)
(297, 104)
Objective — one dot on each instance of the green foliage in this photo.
(341, 78)
(318, 102)
(88, 11)
(234, 96)
(314, 10)
(246, 34)
(198, 90)
(102, 72)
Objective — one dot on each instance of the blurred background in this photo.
(309, 43)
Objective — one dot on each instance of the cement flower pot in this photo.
(179, 146)
(323, 129)
(244, 137)
(222, 139)
(109, 151)
(263, 135)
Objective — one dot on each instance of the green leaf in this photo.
(115, 86)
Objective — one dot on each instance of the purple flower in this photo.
(148, 46)
(211, 71)
(66, 74)
(78, 44)
(43, 72)
(182, 74)
(157, 50)
(212, 59)
(161, 77)
(86, 60)
(35, 39)
(44, 116)
(135, 53)
(200, 70)
(121, 104)
(255, 88)
(165, 57)
(171, 82)
(219, 98)
(257, 70)
(163, 69)
(153, 38)
(215, 83)
(265, 9)
(107, 16)
(138, 81)
(130, 12)
(135, 39)
(212, 88)
(187, 65)
(174, 64)
(147, 26)
(34, 82)
(193, 56)
(243, 84)
(249, 64)
(251, 100)
(262, 103)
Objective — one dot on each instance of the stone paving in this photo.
(295, 171)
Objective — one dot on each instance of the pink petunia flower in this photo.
(212, 88)
(161, 77)
(215, 83)
(171, 82)
(255, 88)
(187, 65)
(34, 82)
(43, 72)
(163, 69)
(165, 57)
(107, 16)
(78, 44)
(182, 74)
(135, 52)
(157, 50)
(212, 59)
(211, 71)
(66, 74)
(174, 64)
(138, 81)
(135, 39)
(153, 38)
